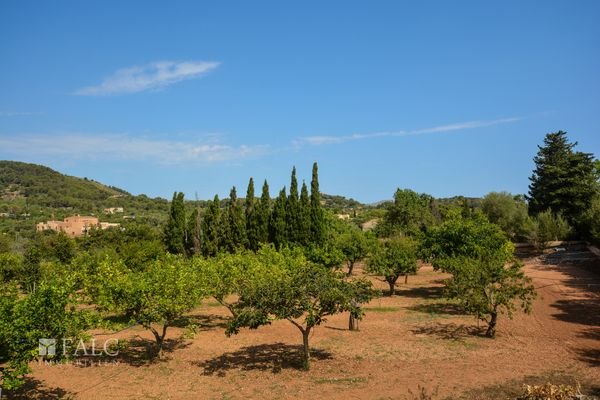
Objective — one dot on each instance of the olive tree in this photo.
(486, 278)
(392, 259)
(298, 291)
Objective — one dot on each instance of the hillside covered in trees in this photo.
(30, 193)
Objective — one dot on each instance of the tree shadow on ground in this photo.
(589, 355)
(579, 311)
(438, 308)
(274, 357)
(35, 389)
(592, 333)
(450, 331)
(421, 292)
(136, 352)
(202, 322)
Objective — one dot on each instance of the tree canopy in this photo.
(486, 278)
(564, 181)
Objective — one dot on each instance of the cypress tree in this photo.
(264, 214)
(235, 224)
(194, 233)
(277, 226)
(304, 220)
(211, 229)
(317, 217)
(175, 230)
(252, 217)
(292, 215)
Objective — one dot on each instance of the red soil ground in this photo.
(413, 339)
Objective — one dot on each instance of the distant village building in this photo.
(113, 210)
(74, 226)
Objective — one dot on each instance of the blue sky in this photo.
(442, 97)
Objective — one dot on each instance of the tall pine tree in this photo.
(317, 217)
(211, 229)
(278, 225)
(564, 180)
(234, 224)
(175, 230)
(252, 217)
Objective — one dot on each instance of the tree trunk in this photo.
(352, 323)
(491, 331)
(306, 361)
(392, 287)
(350, 267)
(160, 339)
(405, 279)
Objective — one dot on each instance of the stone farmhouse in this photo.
(75, 226)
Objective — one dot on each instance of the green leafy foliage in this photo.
(292, 211)
(47, 312)
(564, 181)
(355, 246)
(486, 279)
(409, 214)
(546, 227)
(392, 259)
(509, 212)
(304, 217)
(234, 224)
(252, 214)
(300, 292)
(193, 233)
(175, 230)
(592, 217)
(11, 267)
(278, 225)
(155, 298)
(328, 255)
(263, 214)
(318, 225)
(211, 229)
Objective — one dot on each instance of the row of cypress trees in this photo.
(294, 218)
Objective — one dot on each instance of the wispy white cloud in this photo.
(126, 147)
(204, 149)
(18, 113)
(325, 140)
(151, 76)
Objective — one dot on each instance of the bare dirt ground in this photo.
(413, 339)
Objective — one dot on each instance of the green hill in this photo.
(45, 187)
(31, 193)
